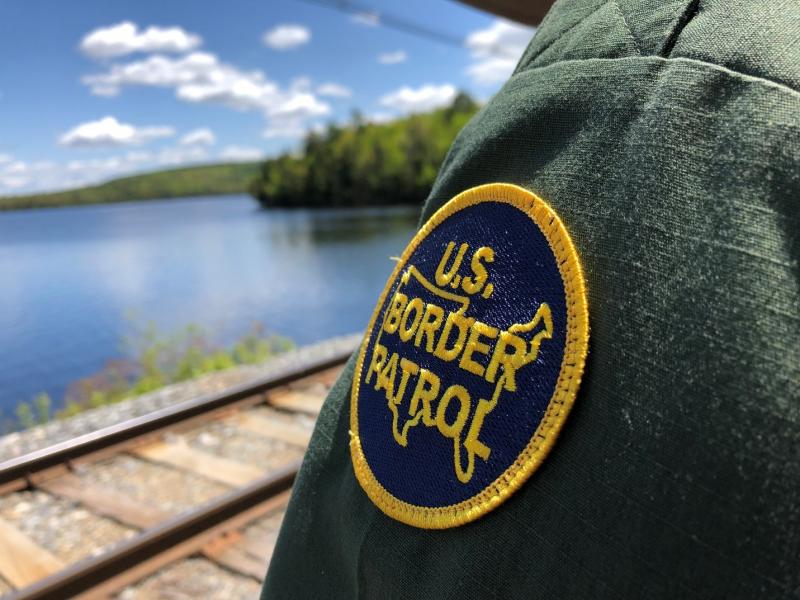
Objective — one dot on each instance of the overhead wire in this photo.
(394, 22)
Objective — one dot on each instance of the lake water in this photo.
(77, 281)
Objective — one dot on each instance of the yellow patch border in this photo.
(575, 350)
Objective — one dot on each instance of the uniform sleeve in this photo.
(667, 137)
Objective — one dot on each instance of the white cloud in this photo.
(22, 177)
(196, 77)
(289, 119)
(496, 50)
(392, 58)
(381, 117)
(367, 19)
(299, 106)
(200, 77)
(4, 158)
(492, 70)
(182, 155)
(286, 130)
(334, 90)
(138, 157)
(286, 37)
(427, 97)
(199, 137)
(19, 177)
(11, 183)
(16, 167)
(502, 38)
(235, 90)
(107, 91)
(14, 173)
(110, 164)
(241, 154)
(110, 132)
(125, 38)
(300, 84)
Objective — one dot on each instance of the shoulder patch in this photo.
(471, 360)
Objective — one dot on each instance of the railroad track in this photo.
(185, 502)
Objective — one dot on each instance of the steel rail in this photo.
(177, 537)
(19, 472)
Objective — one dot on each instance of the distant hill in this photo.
(204, 180)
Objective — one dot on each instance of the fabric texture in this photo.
(666, 135)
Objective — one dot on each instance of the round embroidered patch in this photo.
(471, 361)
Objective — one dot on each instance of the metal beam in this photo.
(530, 12)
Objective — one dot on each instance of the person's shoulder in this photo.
(758, 39)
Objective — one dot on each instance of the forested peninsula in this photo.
(364, 163)
(360, 164)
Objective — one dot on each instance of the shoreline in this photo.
(18, 443)
(5, 208)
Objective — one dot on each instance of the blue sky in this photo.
(93, 90)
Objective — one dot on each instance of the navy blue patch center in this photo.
(463, 358)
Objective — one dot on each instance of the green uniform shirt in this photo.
(666, 136)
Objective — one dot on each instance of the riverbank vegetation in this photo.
(364, 163)
(204, 180)
(158, 359)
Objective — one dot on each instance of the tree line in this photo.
(364, 163)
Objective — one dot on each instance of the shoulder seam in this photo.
(666, 60)
(627, 27)
(691, 11)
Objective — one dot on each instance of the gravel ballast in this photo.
(194, 579)
(64, 528)
(170, 490)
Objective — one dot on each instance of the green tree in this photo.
(364, 163)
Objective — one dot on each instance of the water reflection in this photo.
(339, 226)
(71, 276)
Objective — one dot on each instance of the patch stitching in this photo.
(560, 403)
